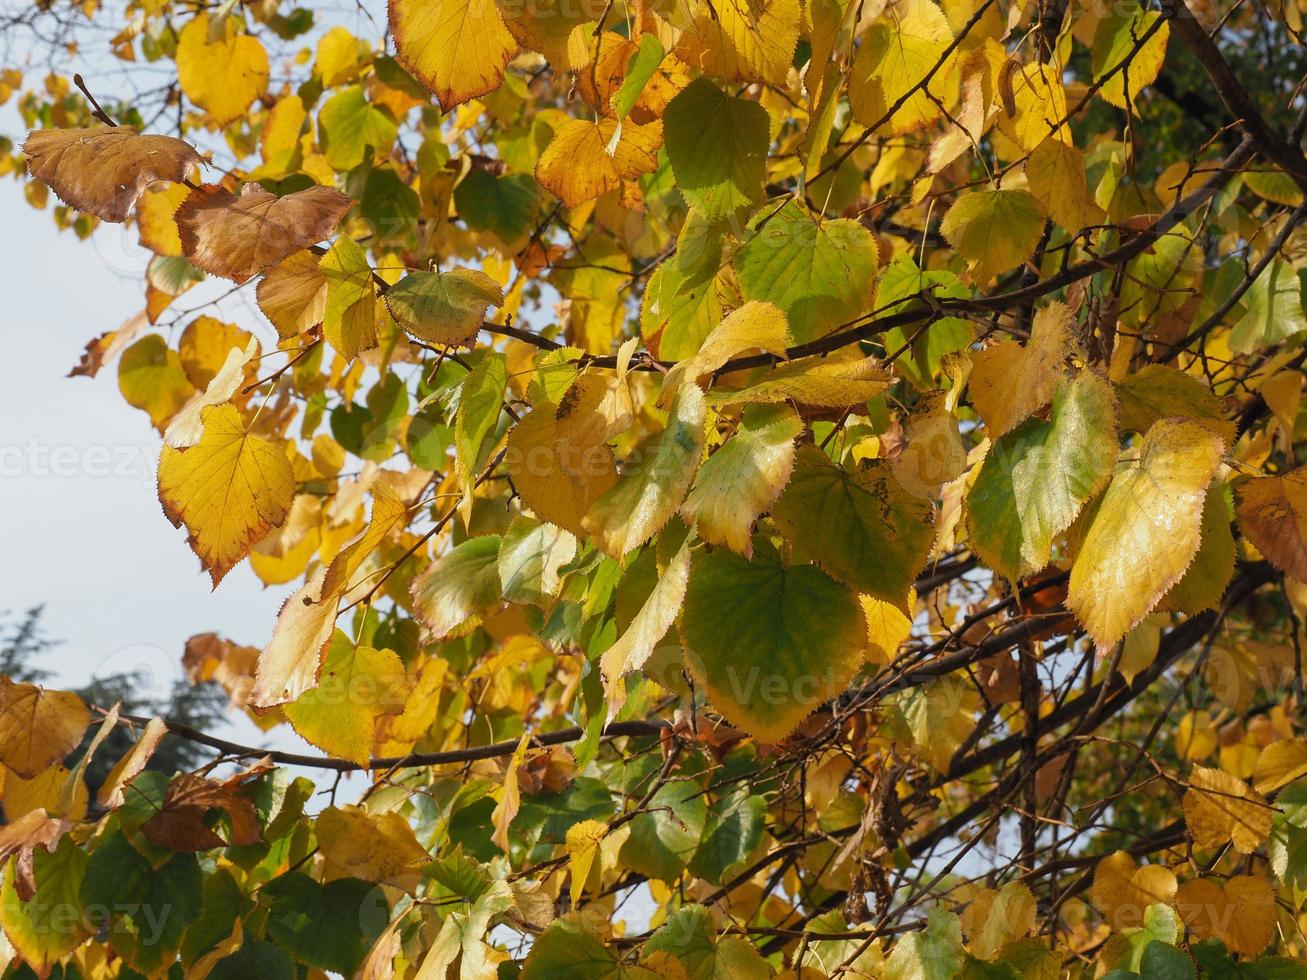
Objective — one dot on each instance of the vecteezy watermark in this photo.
(41, 460)
(66, 918)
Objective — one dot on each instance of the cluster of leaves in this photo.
(827, 469)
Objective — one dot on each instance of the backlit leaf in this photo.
(103, 170)
(1146, 531)
(768, 643)
(228, 489)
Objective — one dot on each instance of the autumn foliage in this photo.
(824, 475)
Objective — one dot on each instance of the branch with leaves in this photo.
(825, 475)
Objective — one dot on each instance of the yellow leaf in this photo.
(1195, 736)
(289, 664)
(1221, 809)
(558, 464)
(38, 727)
(1146, 531)
(742, 40)
(47, 791)
(283, 554)
(1240, 911)
(648, 627)
(456, 48)
(997, 917)
(187, 426)
(898, 51)
(279, 139)
(1010, 382)
(833, 382)
(238, 237)
(372, 846)
(582, 846)
(934, 453)
(205, 345)
(1279, 764)
(400, 732)
(102, 170)
(154, 217)
(1056, 174)
(578, 167)
(112, 792)
(1123, 890)
(887, 627)
(151, 378)
(653, 487)
(228, 489)
(337, 58)
(743, 478)
(1039, 104)
(356, 686)
(994, 230)
(293, 294)
(510, 798)
(220, 71)
(1272, 512)
(755, 325)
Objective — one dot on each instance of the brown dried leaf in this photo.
(238, 237)
(103, 170)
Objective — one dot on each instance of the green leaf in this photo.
(530, 558)
(507, 206)
(1161, 961)
(1217, 964)
(391, 205)
(768, 643)
(254, 959)
(444, 308)
(691, 937)
(350, 126)
(649, 54)
(717, 146)
(479, 403)
(733, 831)
(663, 840)
(932, 953)
(994, 230)
(859, 525)
(458, 586)
(822, 273)
(567, 950)
(1036, 479)
(1272, 309)
(744, 477)
(327, 926)
(160, 901)
(52, 923)
(222, 904)
(680, 310)
(349, 323)
(652, 486)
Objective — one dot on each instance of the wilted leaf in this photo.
(103, 170)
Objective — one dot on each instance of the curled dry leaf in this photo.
(239, 236)
(103, 170)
